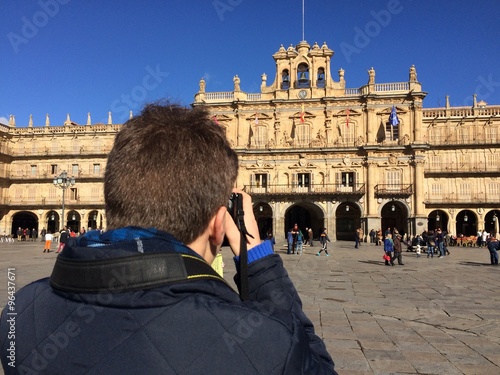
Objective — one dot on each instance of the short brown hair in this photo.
(170, 168)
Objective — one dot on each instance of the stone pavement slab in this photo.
(428, 316)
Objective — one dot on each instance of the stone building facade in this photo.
(312, 152)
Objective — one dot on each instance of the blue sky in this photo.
(71, 56)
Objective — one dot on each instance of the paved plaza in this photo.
(429, 316)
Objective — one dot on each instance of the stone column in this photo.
(417, 122)
(419, 185)
(371, 181)
(371, 125)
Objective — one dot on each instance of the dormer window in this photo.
(285, 80)
(303, 75)
(321, 78)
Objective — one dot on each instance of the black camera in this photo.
(232, 206)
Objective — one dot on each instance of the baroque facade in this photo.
(312, 152)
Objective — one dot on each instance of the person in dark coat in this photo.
(141, 297)
(63, 238)
(398, 249)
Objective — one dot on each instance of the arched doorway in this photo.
(466, 223)
(52, 222)
(395, 215)
(92, 222)
(437, 219)
(24, 220)
(73, 221)
(491, 224)
(264, 215)
(348, 220)
(305, 215)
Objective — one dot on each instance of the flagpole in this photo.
(303, 20)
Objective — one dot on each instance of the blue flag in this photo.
(393, 118)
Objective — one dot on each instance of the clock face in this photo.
(302, 94)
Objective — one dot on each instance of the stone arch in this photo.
(348, 218)
(23, 220)
(305, 215)
(395, 214)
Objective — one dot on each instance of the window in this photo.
(73, 194)
(33, 170)
(53, 193)
(491, 135)
(492, 161)
(347, 179)
(436, 191)
(260, 180)
(435, 163)
(464, 191)
(391, 132)
(260, 136)
(96, 169)
(302, 135)
(493, 191)
(74, 169)
(53, 169)
(303, 179)
(393, 180)
(346, 131)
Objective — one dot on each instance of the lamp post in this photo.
(63, 181)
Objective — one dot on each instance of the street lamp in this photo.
(63, 181)
(438, 217)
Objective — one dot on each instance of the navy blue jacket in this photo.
(187, 327)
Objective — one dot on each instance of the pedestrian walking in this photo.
(48, 242)
(310, 235)
(323, 239)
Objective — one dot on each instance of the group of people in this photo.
(393, 248)
(26, 234)
(62, 238)
(296, 240)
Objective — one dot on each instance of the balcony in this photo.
(314, 189)
(463, 199)
(27, 176)
(454, 140)
(393, 190)
(461, 169)
(52, 202)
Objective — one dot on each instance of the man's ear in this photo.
(218, 227)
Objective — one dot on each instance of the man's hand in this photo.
(232, 232)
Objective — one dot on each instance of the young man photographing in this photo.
(141, 298)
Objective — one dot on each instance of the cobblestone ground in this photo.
(428, 316)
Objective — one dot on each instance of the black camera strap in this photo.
(243, 267)
(129, 273)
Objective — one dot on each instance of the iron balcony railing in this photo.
(393, 189)
(461, 168)
(281, 189)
